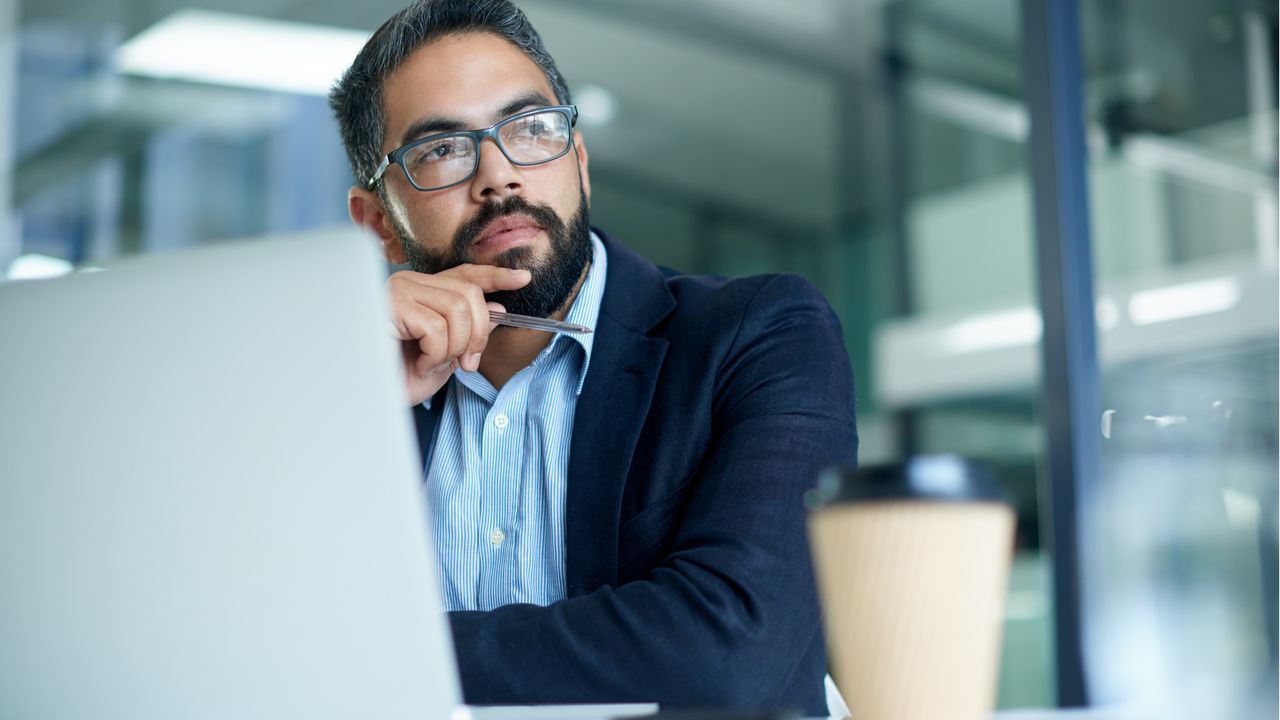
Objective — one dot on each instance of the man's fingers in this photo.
(490, 277)
(425, 369)
(465, 319)
(425, 329)
(494, 307)
(458, 311)
(475, 305)
(422, 380)
(444, 319)
(487, 277)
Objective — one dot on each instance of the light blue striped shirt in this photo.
(496, 485)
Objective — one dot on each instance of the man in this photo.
(618, 515)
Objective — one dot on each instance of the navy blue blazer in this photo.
(709, 408)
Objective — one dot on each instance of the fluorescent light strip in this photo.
(1176, 302)
(226, 49)
(992, 331)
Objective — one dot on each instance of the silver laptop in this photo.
(210, 498)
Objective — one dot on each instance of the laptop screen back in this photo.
(210, 503)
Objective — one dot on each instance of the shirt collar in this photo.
(586, 307)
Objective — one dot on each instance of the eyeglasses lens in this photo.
(535, 138)
(441, 162)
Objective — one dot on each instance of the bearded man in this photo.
(617, 514)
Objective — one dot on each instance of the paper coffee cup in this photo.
(912, 562)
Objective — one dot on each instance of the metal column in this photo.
(895, 71)
(1070, 400)
(10, 243)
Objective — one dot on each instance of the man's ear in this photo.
(580, 148)
(367, 211)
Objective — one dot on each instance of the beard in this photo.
(554, 277)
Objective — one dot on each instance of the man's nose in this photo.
(496, 177)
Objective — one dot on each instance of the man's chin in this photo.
(517, 258)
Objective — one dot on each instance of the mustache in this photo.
(467, 234)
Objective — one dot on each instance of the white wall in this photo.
(972, 248)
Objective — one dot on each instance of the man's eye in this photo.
(533, 128)
(441, 151)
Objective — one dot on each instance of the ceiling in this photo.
(744, 105)
(756, 106)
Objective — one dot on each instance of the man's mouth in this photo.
(507, 232)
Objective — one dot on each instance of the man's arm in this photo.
(731, 610)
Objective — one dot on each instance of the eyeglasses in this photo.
(439, 161)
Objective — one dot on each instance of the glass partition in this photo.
(1180, 583)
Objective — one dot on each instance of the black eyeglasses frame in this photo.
(396, 157)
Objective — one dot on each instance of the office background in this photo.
(881, 148)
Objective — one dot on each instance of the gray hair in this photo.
(356, 98)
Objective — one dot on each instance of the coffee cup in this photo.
(912, 562)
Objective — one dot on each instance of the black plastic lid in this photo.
(926, 477)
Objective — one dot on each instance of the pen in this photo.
(534, 323)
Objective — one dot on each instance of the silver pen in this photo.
(535, 323)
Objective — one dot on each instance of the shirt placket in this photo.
(502, 463)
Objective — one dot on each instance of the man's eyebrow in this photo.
(524, 102)
(431, 125)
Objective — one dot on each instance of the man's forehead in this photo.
(468, 77)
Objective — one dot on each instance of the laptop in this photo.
(210, 495)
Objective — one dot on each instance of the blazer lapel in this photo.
(610, 413)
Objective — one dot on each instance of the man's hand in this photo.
(442, 321)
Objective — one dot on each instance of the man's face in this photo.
(532, 217)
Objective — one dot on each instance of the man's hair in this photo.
(356, 98)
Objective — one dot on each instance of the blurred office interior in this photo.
(880, 148)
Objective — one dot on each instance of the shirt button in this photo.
(501, 421)
(496, 537)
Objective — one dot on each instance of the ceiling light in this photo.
(991, 331)
(226, 49)
(596, 105)
(33, 266)
(1107, 314)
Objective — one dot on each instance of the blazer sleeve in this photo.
(730, 612)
